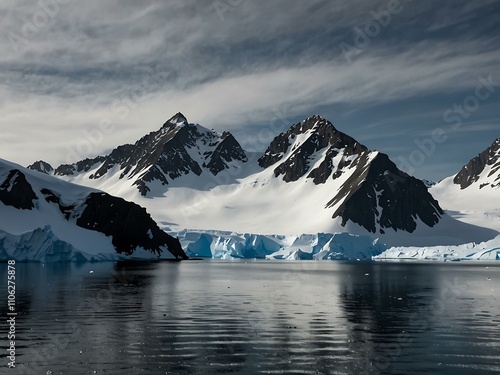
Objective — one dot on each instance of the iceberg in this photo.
(42, 245)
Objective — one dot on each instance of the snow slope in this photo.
(489, 250)
(43, 233)
(473, 205)
(473, 194)
(243, 207)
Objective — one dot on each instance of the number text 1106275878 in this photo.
(11, 312)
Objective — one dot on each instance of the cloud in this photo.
(135, 64)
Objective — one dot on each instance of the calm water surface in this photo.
(255, 317)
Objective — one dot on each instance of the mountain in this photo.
(473, 194)
(482, 171)
(41, 166)
(371, 190)
(312, 178)
(65, 220)
(176, 150)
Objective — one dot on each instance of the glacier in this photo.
(42, 245)
(486, 251)
(319, 246)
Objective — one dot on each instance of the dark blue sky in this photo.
(418, 80)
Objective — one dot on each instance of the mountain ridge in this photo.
(472, 195)
(310, 167)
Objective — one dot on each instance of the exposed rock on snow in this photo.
(473, 194)
(67, 219)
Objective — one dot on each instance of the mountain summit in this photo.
(295, 151)
(367, 188)
(177, 149)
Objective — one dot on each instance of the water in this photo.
(252, 317)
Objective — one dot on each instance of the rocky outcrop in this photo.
(41, 166)
(472, 172)
(16, 191)
(381, 196)
(300, 145)
(128, 223)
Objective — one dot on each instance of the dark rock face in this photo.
(472, 171)
(379, 193)
(16, 191)
(376, 195)
(177, 149)
(81, 166)
(128, 223)
(226, 151)
(319, 134)
(367, 188)
(41, 166)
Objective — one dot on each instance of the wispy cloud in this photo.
(94, 60)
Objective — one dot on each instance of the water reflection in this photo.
(256, 317)
(409, 319)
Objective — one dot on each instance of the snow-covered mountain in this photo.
(175, 150)
(473, 194)
(311, 179)
(369, 189)
(482, 171)
(45, 218)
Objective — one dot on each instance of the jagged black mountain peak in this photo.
(41, 166)
(366, 187)
(373, 192)
(472, 172)
(178, 148)
(178, 119)
(295, 155)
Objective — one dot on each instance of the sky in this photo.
(417, 80)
